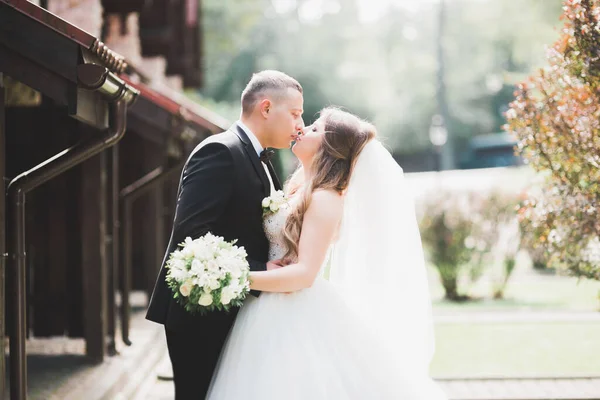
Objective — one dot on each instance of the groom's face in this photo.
(285, 118)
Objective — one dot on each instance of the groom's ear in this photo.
(265, 107)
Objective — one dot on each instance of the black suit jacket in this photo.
(221, 189)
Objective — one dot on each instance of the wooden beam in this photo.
(153, 157)
(150, 121)
(123, 7)
(74, 276)
(159, 237)
(112, 243)
(2, 238)
(47, 229)
(157, 28)
(94, 257)
(36, 76)
(35, 41)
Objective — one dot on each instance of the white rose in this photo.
(221, 274)
(178, 275)
(202, 253)
(225, 262)
(229, 293)
(212, 266)
(205, 300)
(197, 264)
(178, 264)
(274, 207)
(236, 289)
(209, 237)
(186, 288)
(236, 265)
(226, 298)
(266, 201)
(241, 253)
(236, 273)
(187, 251)
(232, 291)
(197, 267)
(214, 284)
(201, 280)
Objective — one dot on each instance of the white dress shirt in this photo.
(258, 148)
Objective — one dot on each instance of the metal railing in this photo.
(152, 180)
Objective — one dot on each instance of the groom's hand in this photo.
(275, 264)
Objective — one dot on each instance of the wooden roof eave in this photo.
(42, 50)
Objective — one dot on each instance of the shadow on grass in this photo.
(485, 304)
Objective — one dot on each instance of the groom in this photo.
(221, 190)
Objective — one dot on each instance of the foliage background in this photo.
(379, 58)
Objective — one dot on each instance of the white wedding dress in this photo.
(314, 344)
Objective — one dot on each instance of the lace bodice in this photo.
(273, 224)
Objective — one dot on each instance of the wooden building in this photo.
(92, 140)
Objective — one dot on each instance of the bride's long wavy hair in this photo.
(344, 138)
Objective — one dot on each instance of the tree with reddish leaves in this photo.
(556, 116)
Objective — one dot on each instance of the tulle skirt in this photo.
(312, 345)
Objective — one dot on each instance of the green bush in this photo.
(538, 253)
(467, 234)
(556, 118)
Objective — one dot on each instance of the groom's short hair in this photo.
(263, 82)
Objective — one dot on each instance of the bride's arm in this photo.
(318, 229)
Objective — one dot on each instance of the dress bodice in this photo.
(273, 225)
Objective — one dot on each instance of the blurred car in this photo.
(491, 150)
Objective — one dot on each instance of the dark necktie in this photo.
(266, 155)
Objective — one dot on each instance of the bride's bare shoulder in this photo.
(327, 195)
(327, 202)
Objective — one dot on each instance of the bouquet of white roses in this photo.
(208, 274)
(275, 202)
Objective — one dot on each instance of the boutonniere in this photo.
(274, 203)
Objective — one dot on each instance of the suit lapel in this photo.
(253, 157)
(274, 176)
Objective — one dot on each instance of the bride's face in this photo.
(309, 142)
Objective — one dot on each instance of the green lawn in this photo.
(517, 349)
(557, 292)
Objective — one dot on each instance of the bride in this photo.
(349, 316)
